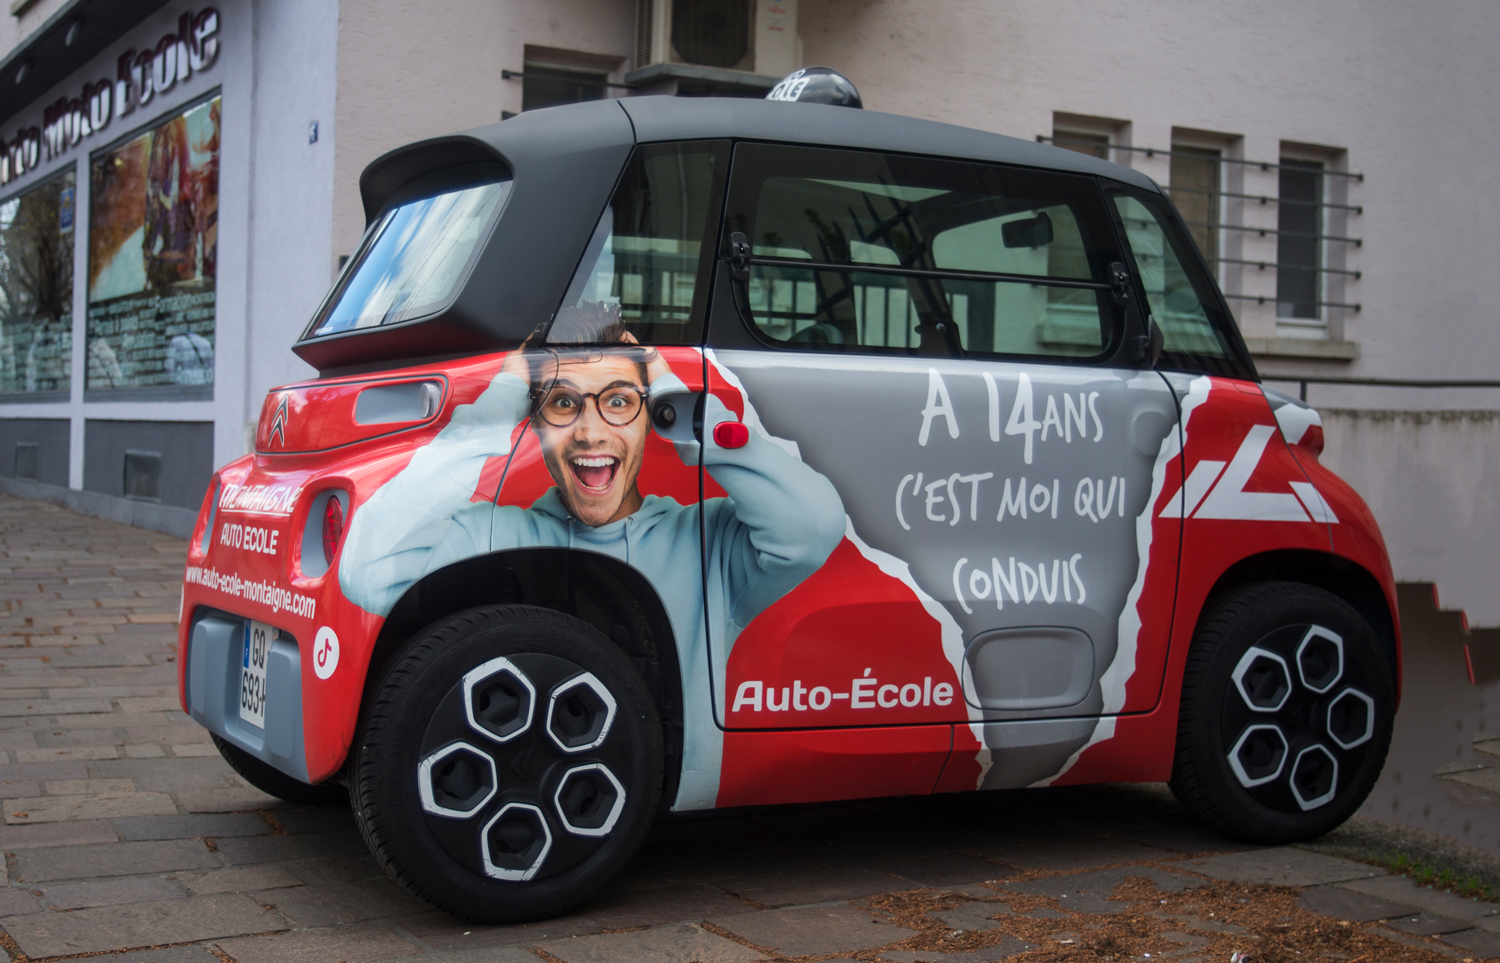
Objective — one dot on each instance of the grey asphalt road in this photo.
(126, 835)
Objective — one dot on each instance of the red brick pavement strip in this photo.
(122, 829)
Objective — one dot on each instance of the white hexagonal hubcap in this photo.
(1247, 780)
(1324, 797)
(1323, 638)
(1336, 733)
(1253, 655)
(614, 810)
(518, 875)
(429, 796)
(606, 701)
(485, 671)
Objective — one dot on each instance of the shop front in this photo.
(122, 322)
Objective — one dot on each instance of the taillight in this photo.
(333, 528)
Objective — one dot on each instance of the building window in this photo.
(1095, 145)
(1299, 249)
(1195, 179)
(36, 288)
(543, 86)
(153, 247)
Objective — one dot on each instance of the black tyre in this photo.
(508, 765)
(1286, 714)
(272, 781)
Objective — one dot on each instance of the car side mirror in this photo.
(1027, 232)
(739, 256)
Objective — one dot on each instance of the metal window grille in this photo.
(1195, 183)
(1311, 243)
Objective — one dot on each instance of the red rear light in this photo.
(333, 528)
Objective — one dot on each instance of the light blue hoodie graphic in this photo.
(778, 525)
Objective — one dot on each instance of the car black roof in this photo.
(575, 127)
(564, 162)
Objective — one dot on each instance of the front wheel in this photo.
(509, 764)
(1287, 704)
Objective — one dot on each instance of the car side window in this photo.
(887, 253)
(643, 267)
(1194, 329)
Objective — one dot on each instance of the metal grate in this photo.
(27, 468)
(711, 33)
(1302, 262)
(143, 475)
(645, 23)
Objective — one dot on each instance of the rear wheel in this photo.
(272, 781)
(509, 764)
(1286, 714)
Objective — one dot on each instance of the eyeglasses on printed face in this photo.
(618, 405)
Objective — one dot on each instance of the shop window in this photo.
(36, 288)
(153, 248)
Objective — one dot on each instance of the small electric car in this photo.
(672, 454)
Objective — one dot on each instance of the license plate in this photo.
(258, 638)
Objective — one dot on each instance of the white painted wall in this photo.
(1433, 482)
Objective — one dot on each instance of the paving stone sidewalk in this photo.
(125, 834)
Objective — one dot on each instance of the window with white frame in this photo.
(1279, 235)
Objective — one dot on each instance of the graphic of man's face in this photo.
(596, 458)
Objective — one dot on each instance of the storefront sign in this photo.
(139, 76)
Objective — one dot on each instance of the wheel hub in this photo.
(1296, 718)
(548, 727)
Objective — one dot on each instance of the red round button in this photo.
(731, 434)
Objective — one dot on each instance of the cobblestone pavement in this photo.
(125, 834)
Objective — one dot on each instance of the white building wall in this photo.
(1432, 478)
(291, 187)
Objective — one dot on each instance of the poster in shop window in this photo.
(36, 288)
(153, 246)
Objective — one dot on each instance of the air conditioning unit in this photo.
(757, 37)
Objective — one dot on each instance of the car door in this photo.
(953, 346)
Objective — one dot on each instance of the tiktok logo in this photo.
(325, 653)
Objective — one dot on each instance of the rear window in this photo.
(860, 251)
(414, 257)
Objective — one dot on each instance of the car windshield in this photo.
(412, 259)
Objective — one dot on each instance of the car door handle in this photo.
(678, 415)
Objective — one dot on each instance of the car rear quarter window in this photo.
(886, 253)
(644, 268)
(415, 256)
